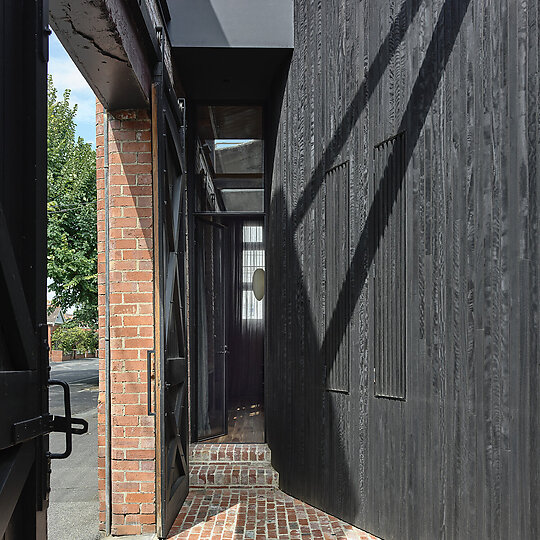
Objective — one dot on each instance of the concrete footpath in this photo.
(73, 504)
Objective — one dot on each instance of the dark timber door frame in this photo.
(169, 172)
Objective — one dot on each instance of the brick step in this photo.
(229, 475)
(202, 453)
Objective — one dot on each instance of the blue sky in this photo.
(66, 75)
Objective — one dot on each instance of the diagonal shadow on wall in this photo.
(387, 50)
(348, 504)
(421, 98)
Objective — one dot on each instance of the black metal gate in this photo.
(171, 352)
(24, 372)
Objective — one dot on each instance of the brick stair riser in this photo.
(218, 477)
(230, 453)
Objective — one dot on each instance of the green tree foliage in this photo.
(74, 338)
(72, 228)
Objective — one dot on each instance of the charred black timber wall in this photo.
(458, 80)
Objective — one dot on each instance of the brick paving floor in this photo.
(256, 514)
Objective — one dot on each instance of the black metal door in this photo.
(212, 351)
(23, 356)
(171, 350)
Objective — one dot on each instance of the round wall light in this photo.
(258, 283)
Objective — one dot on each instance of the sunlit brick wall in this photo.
(131, 319)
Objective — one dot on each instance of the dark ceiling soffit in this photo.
(229, 75)
(89, 33)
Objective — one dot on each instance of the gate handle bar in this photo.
(149, 382)
(65, 424)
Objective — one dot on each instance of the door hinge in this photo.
(29, 429)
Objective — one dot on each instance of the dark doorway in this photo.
(230, 331)
(245, 363)
(228, 249)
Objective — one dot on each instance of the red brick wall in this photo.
(131, 319)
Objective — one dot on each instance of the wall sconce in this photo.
(258, 284)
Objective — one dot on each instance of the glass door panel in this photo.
(211, 329)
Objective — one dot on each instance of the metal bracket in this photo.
(43, 425)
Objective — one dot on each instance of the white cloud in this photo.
(66, 74)
(86, 110)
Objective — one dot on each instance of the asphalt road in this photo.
(73, 503)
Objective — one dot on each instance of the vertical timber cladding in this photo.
(316, 381)
(336, 193)
(458, 458)
(389, 268)
(169, 149)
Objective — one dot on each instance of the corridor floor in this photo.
(245, 425)
(256, 514)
